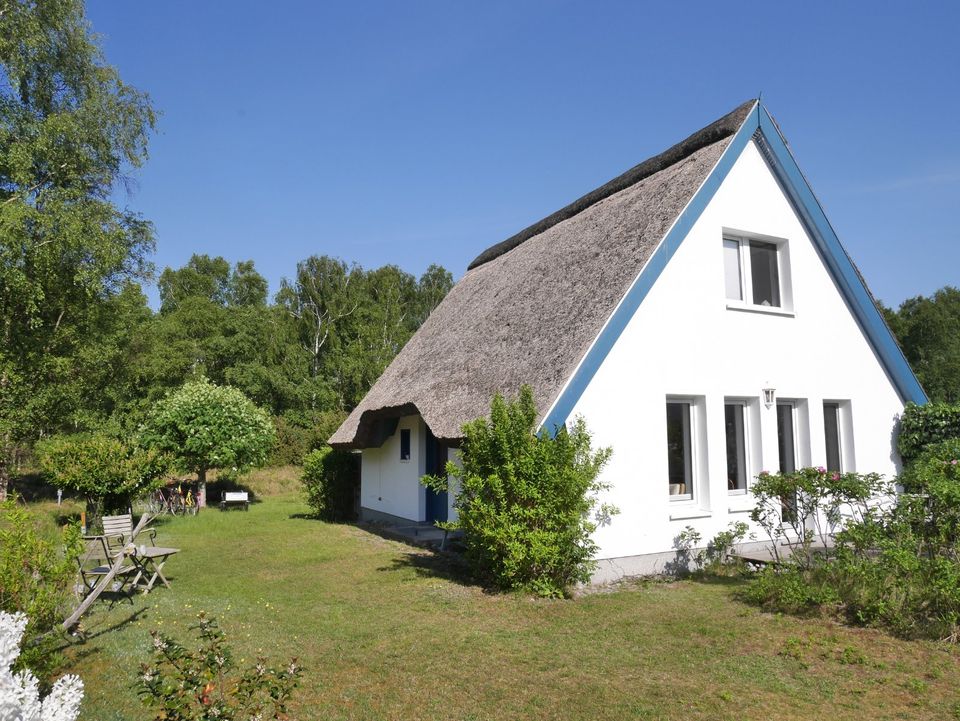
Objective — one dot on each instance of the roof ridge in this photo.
(712, 133)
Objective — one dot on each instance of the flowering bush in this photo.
(894, 565)
(799, 509)
(19, 693)
(190, 685)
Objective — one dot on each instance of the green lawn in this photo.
(385, 632)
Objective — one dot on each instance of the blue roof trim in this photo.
(811, 213)
(842, 268)
(567, 400)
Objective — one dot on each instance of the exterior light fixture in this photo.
(769, 396)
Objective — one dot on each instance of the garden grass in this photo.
(386, 631)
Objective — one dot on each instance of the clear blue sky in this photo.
(422, 132)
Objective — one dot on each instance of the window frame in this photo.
(406, 432)
(845, 434)
(794, 407)
(746, 447)
(694, 452)
(784, 284)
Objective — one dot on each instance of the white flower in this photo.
(19, 694)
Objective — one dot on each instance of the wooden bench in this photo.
(235, 498)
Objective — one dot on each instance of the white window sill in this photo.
(689, 514)
(745, 509)
(762, 309)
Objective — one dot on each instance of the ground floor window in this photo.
(734, 419)
(680, 449)
(787, 443)
(831, 431)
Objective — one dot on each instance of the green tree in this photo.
(929, 333)
(214, 280)
(205, 426)
(108, 472)
(69, 129)
(527, 503)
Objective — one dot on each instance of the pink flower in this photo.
(821, 469)
(835, 477)
(953, 462)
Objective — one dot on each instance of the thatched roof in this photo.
(528, 308)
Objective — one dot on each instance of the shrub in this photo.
(192, 683)
(921, 426)
(108, 472)
(298, 434)
(330, 477)
(205, 426)
(808, 505)
(20, 694)
(37, 572)
(714, 558)
(790, 590)
(895, 565)
(526, 499)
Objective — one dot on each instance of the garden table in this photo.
(150, 560)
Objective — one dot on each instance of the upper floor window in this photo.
(755, 271)
(404, 444)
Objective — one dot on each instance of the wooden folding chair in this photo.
(95, 562)
(119, 531)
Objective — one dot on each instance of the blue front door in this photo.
(436, 461)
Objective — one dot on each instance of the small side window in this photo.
(404, 444)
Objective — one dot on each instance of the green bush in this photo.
(202, 681)
(921, 426)
(37, 573)
(527, 504)
(331, 478)
(896, 566)
(714, 558)
(298, 434)
(107, 471)
(802, 509)
(789, 590)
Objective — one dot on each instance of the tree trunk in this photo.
(94, 516)
(202, 488)
(7, 462)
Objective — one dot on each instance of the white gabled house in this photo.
(698, 311)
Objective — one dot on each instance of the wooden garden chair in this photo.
(95, 562)
(118, 531)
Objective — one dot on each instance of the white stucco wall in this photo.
(685, 341)
(390, 485)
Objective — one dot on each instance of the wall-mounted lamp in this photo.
(769, 396)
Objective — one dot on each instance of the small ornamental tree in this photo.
(107, 471)
(527, 505)
(206, 426)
